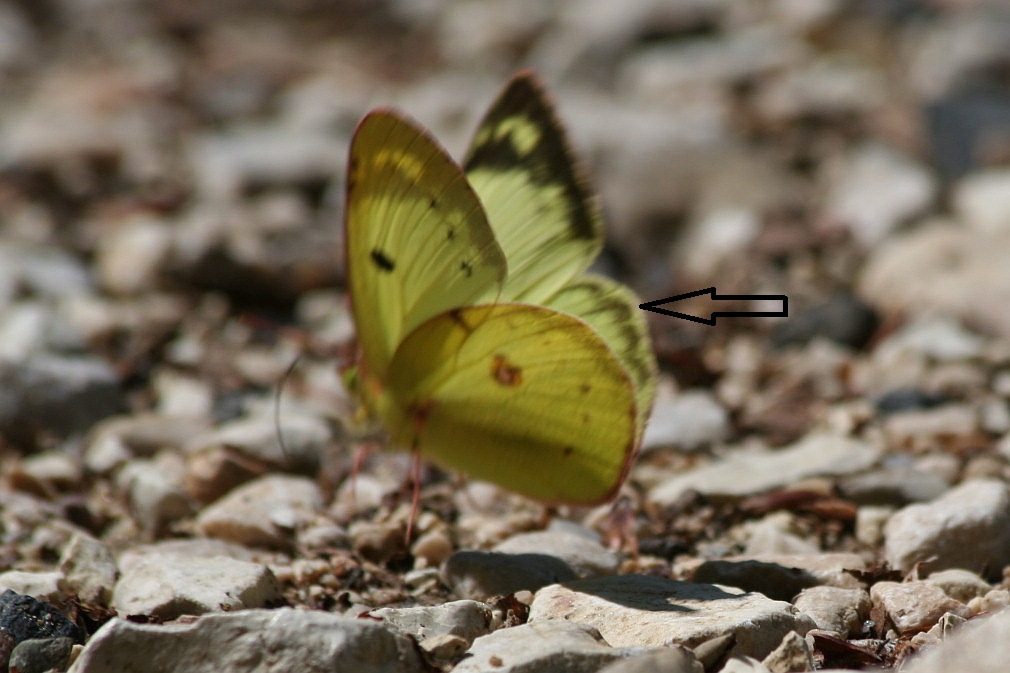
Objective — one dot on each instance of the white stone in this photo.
(982, 200)
(466, 619)
(263, 512)
(960, 584)
(89, 569)
(878, 190)
(129, 258)
(689, 421)
(168, 586)
(748, 471)
(969, 527)
(250, 641)
(586, 556)
(546, 646)
(842, 611)
(638, 610)
(941, 269)
(47, 586)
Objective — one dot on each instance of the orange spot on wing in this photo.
(506, 373)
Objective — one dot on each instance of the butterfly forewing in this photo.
(419, 242)
(519, 395)
(540, 208)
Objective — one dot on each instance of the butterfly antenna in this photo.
(277, 407)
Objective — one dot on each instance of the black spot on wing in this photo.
(383, 262)
(550, 161)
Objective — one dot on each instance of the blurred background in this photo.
(168, 169)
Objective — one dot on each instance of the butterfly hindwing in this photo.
(516, 394)
(612, 310)
(418, 241)
(539, 206)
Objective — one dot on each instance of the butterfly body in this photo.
(483, 344)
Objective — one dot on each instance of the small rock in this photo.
(116, 440)
(841, 611)
(638, 610)
(296, 640)
(479, 574)
(993, 601)
(583, 554)
(433, 547)
(47, 473)
(542, 646)
(843, 319)
(197, 547)
(940, 338)
(31, 327)
(226, 163)
(825, 87)
(744, 665)
(129, 258)
(792, 654)
(38, 655)
(157, 496)
(89, 569)
(911, 427)
(45, 272)
(914, 606)
(378, 541)
(445, 647)
(893, 486)
(966, 272)
(465, 619)
(878, 190)
(746, 472)
(24, 618)
(969, 528)
(46, 585)
(264, 512)
(982, 202)
(870, 522)
(776, 533)
(256, 438)
(994, 416)
(670, 659)
(166, 587)
(907, 399)
(688, 421)
(961, 585)
(56, 394)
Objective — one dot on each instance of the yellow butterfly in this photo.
(482, 343)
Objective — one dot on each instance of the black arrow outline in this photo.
(654, 306)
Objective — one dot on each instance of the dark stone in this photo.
(24, 618)
(907, 399)
(38, 655)
(843, 319)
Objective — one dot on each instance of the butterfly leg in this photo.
(415, 495)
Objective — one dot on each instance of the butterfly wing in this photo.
(612, 310)
(539, 207)
(523, 396)
(418, 242)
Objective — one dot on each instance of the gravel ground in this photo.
(823, 491)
